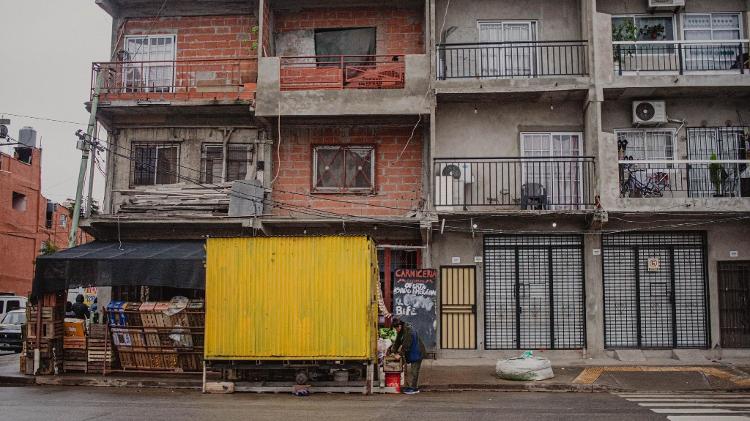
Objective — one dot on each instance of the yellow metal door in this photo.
(458, 308)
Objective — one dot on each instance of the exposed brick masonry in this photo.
(399, 30)
(397, 184)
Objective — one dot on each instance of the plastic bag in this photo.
(524, 368)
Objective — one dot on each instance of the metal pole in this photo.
(90, 198)
(85, 149)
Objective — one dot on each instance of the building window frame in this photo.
(650, 153)
(230, 167)
(142, 175)
(19, 202)
(344, 186)
(138, 76)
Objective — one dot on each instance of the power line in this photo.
(43, 118)
(271, 202)
(324, 198)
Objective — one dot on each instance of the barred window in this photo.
(343, 168)
(239, 158)
(155, 163)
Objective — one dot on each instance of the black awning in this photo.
(177, 264)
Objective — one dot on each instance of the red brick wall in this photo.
(397, 184)
(267, 30)
(23, 232)
(203, 37)
(399, 31)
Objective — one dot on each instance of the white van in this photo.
(11, 302)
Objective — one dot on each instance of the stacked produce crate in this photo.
(46, 332)
(74, 345)
(158, 336)
(100, 354)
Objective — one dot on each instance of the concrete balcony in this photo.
(512, 68)
(137, 88)
(673, 69)
(553, 184)
(340, 86)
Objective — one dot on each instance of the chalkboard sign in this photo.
(414, 294)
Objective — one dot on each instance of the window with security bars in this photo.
(655, 290)
(154, 163)
(239, 158)
(344, 169)
(533, 292)
(723, 144)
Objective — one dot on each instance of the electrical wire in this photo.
(322, 198)
(43, 118)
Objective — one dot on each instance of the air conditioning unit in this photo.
(665, 4)
(649, 113)
(450, 185)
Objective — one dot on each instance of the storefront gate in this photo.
(734, 304)
(533, 292)
(655, 290)
(458, 307)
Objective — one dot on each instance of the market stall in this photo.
(154, 321)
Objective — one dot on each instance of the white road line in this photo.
(692, 411)
(708, 418)
(735, 400)
(709, 405)
(686, 395)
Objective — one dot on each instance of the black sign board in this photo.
(414, 294)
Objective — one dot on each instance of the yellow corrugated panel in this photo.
(291, 298)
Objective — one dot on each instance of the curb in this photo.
(135, 383)
(17, 380)
(524, 387)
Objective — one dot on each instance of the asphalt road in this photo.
(76, 403)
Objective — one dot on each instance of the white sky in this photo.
(46, 50)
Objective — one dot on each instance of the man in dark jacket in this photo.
(411, 349)
(80, 309)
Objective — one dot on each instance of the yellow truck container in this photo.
(291, 299)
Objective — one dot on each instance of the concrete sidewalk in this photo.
(593, 378)
(595, 375)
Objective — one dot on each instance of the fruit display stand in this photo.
(158, 336)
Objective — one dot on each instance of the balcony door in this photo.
(551, 172)
(506, 59)
(150, 66)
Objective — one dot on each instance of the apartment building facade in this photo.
(30, 224)
(576, 170)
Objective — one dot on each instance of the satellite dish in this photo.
(452, 170)
(645, 111)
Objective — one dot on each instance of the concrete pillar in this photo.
(594, 287)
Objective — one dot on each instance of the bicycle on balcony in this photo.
(640, 182)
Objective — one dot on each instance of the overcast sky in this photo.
(46, 50)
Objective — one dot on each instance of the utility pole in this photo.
(85, 143)
(90, 199)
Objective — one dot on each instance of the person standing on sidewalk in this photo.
(410, 348)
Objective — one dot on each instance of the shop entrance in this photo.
(458, 307)
(655, 290)
(533, 292)
(734, 304)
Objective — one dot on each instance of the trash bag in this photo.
(526, 368)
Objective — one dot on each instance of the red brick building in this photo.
(27, 220)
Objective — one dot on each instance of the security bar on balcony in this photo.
(526, 59)
(538, 183)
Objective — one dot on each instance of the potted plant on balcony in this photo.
(717, 175)
(653, 32)
(625, 31)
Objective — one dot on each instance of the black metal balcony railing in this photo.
(538, 183)
(685, 178)
(512, 59)
(681, 56)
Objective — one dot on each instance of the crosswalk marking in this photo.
(694, 406)
(707, 418)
